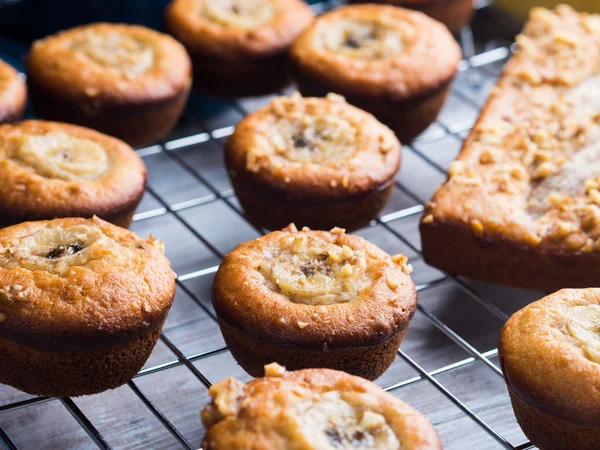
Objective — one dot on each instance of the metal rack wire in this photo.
(447, 366)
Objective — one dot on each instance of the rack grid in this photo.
(447, 366)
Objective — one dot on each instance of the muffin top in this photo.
(50, 169)
(80, 284)
(232, 29)
(12, 90)
(550, 353)
(315, 288)
(107, 63)
(378, 50)
(314, 147)
(311, 409)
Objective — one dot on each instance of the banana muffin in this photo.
(238, 47)
(392, 62)
(13, 94)
(50, 170)
(455, 14)
(550, 355)
(125, 80)
(311, 409)
(318, 162)
(314, 299)
(82, 303)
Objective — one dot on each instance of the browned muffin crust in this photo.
(50, 169)
(395, 63)
(314, 297)
(318, 162)
(13, 94)
(522, 200)
(125, 80)
(238, 47)
(455, 14)
(312, 409)
(79, 290)
(550, 356)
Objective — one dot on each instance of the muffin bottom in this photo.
(139, 125)
(406, 117)
(253, 354)
(455, 14)
(548, 432)
(73, 374)
(240, 78)
(122, 220)
(275, 213)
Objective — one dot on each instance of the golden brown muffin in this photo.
(82, 303)
(314, 299)
(455, 14)
(238, 47)
(550, 356)
(394, 63)
(13, 94)
(311, 409)
(522, 202)
(125, 80)
(50, 169)
(318, 162)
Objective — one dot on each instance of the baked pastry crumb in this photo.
(311, 409)
(529, 168)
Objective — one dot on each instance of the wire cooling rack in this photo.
(447, 366)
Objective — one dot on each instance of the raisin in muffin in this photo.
(314, 299)
(311, 409)
(13, 94)
(50, 170)
(550, 356)
(238, 47)
(318, 162)
(455, 14)
(394, 63)
(82, 303)
(124, 80)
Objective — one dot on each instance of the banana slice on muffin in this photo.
(82, 304)
(314, 299)
(50, 170)
(318, 162)
(124, 80)
(395, 63)
(550, 356)
(238, 47)
(13, 94)
(312, 409)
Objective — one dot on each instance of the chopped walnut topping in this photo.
(532, 239)
(302, 325)
(337, 230)
(274, 370)
(428, 219)
(392, 283)
(477, 228)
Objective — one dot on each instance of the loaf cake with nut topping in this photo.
(550, 355)
(314, 299)
(13, 94)
(318, 162)
(124, 80)
(521, 205)
(50, 170)
(238, 47)
(82, 304)
(395, 63)
(312, 409)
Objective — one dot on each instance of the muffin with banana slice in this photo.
(238, 47)
(311, 409)
(318, 162)
(395, 63)
(127, 81)
(550, 356)
(314, 299)
(13, 94)
(50, 169)
(82, 304)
